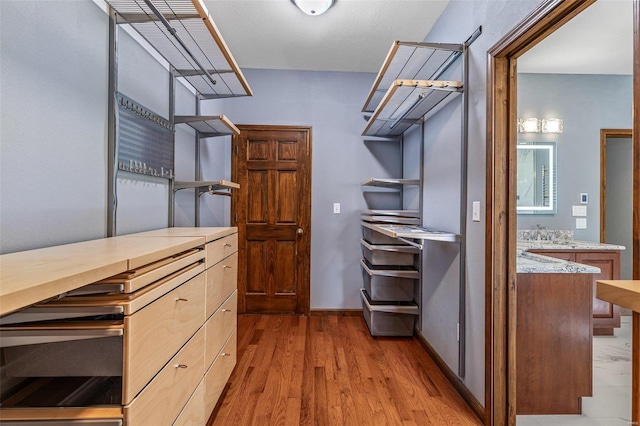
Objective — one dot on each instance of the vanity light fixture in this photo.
(313, 7)
(529, 125)
(552, 125)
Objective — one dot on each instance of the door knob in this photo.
(300, 231)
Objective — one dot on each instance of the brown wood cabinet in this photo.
(606, 316)
(554, 343)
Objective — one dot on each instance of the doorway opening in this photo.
(501, 230)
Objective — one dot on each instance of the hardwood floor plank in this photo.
(328, 370)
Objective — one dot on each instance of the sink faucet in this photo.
(538, 232)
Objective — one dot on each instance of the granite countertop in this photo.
(565, 245)
(531, 263)
(552, 240)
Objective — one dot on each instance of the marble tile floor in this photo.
(610, 404)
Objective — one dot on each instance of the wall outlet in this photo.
(476, 211)
(579, 210)
(336, 208)
(581, 223)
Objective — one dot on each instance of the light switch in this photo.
(579, 210)
(476, 211)
(581, 223)
(336, 208)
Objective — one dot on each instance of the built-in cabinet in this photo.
(606, 315)
(554, 342)
(134, 330)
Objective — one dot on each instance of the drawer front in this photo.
(219, 373)
(163, 399)
(155, 333)
(193, 413)
(219, 249)
(220, 326)
(222, 280)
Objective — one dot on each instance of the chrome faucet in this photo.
(539, 232)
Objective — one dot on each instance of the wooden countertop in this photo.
(210, 233)
(32, 276)
(625, 293)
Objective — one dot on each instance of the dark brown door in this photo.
(273, 214)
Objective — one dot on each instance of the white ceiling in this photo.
(597, 41)
(354, 35)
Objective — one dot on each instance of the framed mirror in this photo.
(536, 178)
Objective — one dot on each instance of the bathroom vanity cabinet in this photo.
(130, 330)
(554, 341)
(606, 315)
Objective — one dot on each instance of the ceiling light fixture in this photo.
(313, 7)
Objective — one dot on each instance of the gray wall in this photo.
(619, 198)
(329, 102)
(456, 24)
(53, 95)
(586, 103)
(53, 126)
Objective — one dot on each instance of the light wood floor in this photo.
(328, 370)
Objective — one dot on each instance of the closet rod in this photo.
(174, 33)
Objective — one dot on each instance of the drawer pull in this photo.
(227, 245)
(225, 354)
(226, 266)
(226, 310)
(180, 366)
(181, 299)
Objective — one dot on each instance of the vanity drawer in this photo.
(156, 332)
(175, 381)
(193, 413)
(221, 281)
(219, 326)
(219, 249)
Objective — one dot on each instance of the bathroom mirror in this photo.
(536, 178)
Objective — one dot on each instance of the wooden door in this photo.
(272, 210)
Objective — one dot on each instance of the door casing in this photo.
(500, 230)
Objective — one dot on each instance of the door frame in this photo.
(304, 271)
(604, 135)
(501, 228)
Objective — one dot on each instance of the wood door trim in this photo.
(305, 273)
(500, 231)
(604, 135)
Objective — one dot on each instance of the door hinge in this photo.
(236, 150)
(236, 218)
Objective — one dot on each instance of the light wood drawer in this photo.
(141, 277)
(166, 395)
(154, 334)
(219, 249)
(216, 378)
(219, 326)
(193, 413)
(222, 279)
